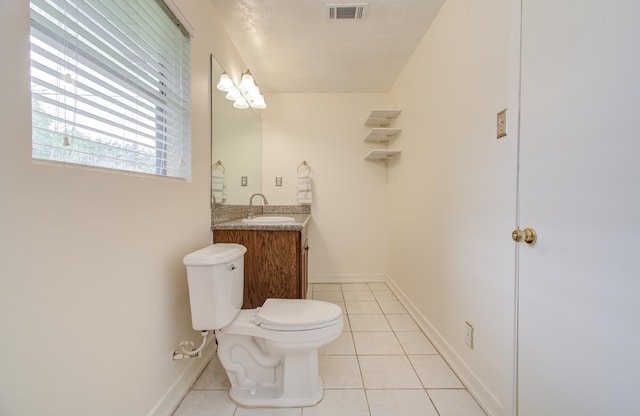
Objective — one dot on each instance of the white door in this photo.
(579, 188)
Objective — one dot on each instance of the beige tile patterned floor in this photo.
(381, 365)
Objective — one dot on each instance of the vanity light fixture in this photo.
(225, 84)
(248, 93)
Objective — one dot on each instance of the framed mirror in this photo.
(236, 148)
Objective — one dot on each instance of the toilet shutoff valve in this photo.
(191, 351)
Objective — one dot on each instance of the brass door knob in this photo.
(528, 235)
(517, 235)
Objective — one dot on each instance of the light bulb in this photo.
(252, 94)
(247, 83)
(241, 103)
(259, 103)
(225, 84)
(233, 94)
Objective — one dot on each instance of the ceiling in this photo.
(291, 46)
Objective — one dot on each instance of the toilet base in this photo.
(262, 374)
(244, 398)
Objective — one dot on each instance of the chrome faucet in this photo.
(250, 213)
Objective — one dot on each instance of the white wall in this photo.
(93, 294)
(348, 232)
(452, 192)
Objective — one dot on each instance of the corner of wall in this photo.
(170, 401)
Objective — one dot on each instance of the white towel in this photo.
(304, 184)
(217, 186)
(304, 188)
(217, 183)
(219, 196)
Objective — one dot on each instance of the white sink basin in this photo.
(268, 220)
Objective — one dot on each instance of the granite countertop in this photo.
(301, 220)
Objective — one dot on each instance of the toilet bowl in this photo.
(277, 366)
(270, 354)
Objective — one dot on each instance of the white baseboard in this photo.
(348, 278)
(488, 401)
(173, 397)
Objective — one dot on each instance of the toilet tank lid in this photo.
(214, 254)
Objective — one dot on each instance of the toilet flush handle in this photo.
(232, 267)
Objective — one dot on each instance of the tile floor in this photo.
(381, 365)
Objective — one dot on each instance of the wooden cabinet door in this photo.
(278, 268)
(270, 264)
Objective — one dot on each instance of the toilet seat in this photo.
(296, 314)
(294, 329)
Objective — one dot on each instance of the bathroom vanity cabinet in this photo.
(275, 264)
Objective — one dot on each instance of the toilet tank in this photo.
(215, 275)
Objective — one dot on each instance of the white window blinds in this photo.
(110, 84)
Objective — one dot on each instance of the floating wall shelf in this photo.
(382, 154)
(382, 134)
(381, 118)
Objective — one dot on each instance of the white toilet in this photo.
(270, 353)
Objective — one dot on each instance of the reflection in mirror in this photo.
(236, 150)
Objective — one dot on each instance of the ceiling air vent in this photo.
(347, 11)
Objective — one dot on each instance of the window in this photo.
(110, 85)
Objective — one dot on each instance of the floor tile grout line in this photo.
(366, 396)
(406, 355)
(464, 388)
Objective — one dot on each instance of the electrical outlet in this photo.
(244, 181)
(278, 180)
(468, 334)
(502, 123)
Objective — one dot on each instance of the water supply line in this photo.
(193, 353)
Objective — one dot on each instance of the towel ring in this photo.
(304, 165)
(219, 164)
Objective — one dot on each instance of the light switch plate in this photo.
(502, 123)
(468, 334)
